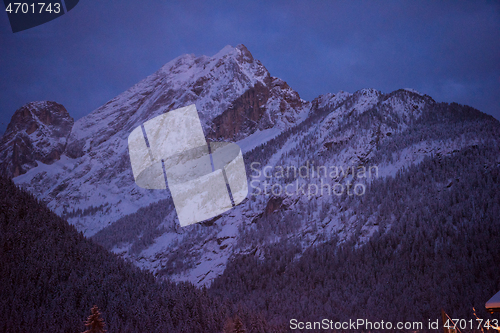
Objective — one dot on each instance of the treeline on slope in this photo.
(437, 124)
(92, 210)
(51, 276)
(438, 121)
(442, 121)
(138, 229)
(436, 246)
(135, 232)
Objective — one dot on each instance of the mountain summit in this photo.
(38, 131)
(235, 96)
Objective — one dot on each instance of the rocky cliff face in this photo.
(264, 106)
(38, 131)
(235, 97)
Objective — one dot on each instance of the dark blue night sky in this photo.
(450, 51)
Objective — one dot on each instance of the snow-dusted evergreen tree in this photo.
(94, 323)
(234, 325)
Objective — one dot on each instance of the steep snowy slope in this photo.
(357, 138)
(235, 97)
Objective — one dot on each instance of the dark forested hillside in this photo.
(436, 246)
(51, 276)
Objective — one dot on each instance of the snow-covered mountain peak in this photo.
(346, 105)
(240, 51)
(37, 131)
(405, 104)
(229, 58)
(366, 99)
(212, 83)
(368, 92)
(235, 97)
(413, 91)
(331, 100)
(38, 115)
(226, 50)
(399, 107)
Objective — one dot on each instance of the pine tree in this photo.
(238, 326)
(234, 325)
(95, 323)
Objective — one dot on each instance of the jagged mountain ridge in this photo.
(37, 131)
(392, 131)
(230, 90)
(274, 127)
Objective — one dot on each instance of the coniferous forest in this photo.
(442, 253)
(51, 276)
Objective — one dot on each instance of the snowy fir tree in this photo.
(95, 324)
